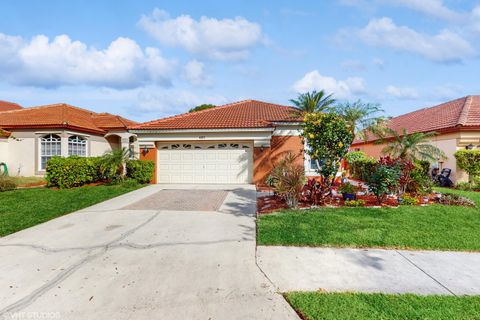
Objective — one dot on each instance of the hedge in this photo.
(72, 171)
(140, 170)
(469, 160)
(362, 167)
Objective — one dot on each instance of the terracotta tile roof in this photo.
(7, 106)
(242, 114)
(453, 115)
(62, 116)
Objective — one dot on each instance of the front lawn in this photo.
(362, 306)
(434, 227)
(23, 208)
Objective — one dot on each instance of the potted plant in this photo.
(348, 190)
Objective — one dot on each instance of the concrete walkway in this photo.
(371, 270)
(108, 262)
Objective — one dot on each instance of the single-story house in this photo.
(31, 136)
(457, 123)
(235, 143)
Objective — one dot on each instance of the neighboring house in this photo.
(31, 136)
(458, 125)
(235, 143)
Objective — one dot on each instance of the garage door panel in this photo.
(204, 165)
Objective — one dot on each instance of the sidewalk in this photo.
(371, 270)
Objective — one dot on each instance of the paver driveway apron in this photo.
(133, 257)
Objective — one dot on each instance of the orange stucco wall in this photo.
(373, 150)
(151, 155)
(264, 160)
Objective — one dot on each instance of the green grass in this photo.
(361, 306)
(23, 208)
(433, 227)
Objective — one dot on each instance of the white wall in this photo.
(21, 156)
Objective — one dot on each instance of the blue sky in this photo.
(149, 59)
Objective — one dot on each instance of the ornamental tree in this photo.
(328, 138)
(469, 160)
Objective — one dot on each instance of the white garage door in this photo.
(228, 162)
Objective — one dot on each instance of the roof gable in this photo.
(452, 115)
(242, 114)
(62, 116)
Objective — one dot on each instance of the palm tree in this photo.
(362, 117)
(414, 146)
(313, 101)
(112, 164)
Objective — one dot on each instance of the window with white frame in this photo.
(50, 146)
(77, 146)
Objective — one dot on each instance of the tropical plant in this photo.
(112, 164)
(328, 138)
(469, 160)
(7, 184)
(409, 200)
(347, 188)
(414, 146)
(354, 203)
(383, 180)
(289, 179)
(313, 101)
(202, 107)
(363, 118)
(405, 166)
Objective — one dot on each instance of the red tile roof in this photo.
(242, 114)
(7, 106)
(62, 116)
(449, 116)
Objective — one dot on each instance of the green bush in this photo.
(420, 181)
(7, 184)
(409, 200)
(72, 171)
(466, 186)
(129, 183)
(383, 180)
(469, 160)
(353, 156)
(140, 170)
(362, 167)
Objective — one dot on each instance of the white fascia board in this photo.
(206, 136)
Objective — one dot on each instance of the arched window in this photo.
(77, 146)
(50, 146)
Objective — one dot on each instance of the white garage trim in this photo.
(209, 162)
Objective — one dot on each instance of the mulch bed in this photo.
(272, 203)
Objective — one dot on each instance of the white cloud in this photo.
(341, 88)
(194, 72)
(402, 93)
(61, 61)
(380, 63)
(446, 46)
(434, 8)
(225, 39)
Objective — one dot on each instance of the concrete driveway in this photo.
(135, 257)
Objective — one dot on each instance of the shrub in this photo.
(289, 179)
(361, 168)
(347, 188)
(469, 160)
(140, 170)
(409, 200)
(455, 200)
(353, 156)
(383, 180)
(420, 181)
(130, 183)
(7, 183)
(112, 163)
(466, 186)
(355, 203)
(72, 171)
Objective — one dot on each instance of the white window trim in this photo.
(309, 172)
(40, 169)
(86, 144)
